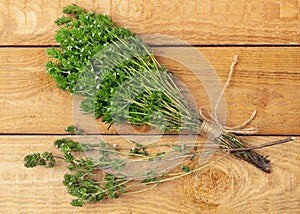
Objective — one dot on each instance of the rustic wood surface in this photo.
(263, 33)
(206, 22)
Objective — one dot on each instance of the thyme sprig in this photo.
(83, 182)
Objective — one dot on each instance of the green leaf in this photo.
(78, 202)
(186, 169)
(33, 160)
(73, 9)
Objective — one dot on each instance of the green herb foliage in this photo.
(36, 159)
(81, 35)
(101, 176)
(97, 58)
(81, 182)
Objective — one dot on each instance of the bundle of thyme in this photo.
(122, 82)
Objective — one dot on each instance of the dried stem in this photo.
(230, 141)
(277, 142)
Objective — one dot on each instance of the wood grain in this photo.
(229, 186)
(265, 79)
(29, 98)
(29, 22)
(208, 22)
(213, 21)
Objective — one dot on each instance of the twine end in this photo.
(235, 59)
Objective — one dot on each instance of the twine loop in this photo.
(211, 121)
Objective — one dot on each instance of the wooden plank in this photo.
(197, 22)
(213, 21)
(229, 186)
(265, 79)
(32, 22)
(29, 98)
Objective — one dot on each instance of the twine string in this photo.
(212, 120)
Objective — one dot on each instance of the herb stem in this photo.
(289, 139)
(192, 171)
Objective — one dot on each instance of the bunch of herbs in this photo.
(121, 81)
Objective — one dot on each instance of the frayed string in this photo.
(212, 120)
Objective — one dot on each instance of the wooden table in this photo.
(263, 33)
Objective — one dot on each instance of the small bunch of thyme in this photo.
(97, 179)
(104, 176)
(80, 182)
